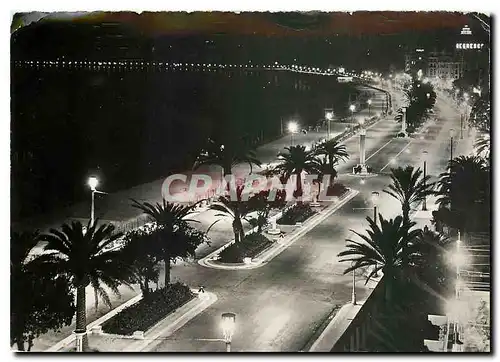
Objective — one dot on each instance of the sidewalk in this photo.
(105, 342)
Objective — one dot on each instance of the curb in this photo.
(278, 247)
(175, 321)
(97, 322)
(342, 312)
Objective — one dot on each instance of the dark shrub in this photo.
(401, 134)
(231, 254)
(144, 314)
(250, 246)
(297, 213)
(336, 190)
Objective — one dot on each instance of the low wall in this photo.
(355, 336)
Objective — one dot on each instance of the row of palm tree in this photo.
(403, 253)
(77, 256)
(82, 256)
(321, 160)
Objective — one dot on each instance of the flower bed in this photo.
(144, 314)
(250, 246)
(336, 190)
(299, 212)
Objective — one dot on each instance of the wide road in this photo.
(116, 206)
(280, 306)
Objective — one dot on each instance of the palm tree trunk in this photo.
(236, 232)
(20, 341)
(388, 285)
(166, 260)
(81, 316)
(227, 171)
(406, 221)
(298, 187)
(242, 232)
(237, 226)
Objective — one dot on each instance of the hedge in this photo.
(299, 212)
(144, 314)
(250, 246)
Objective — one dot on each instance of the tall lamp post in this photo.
(353, 296)
(403, 121)
(375, 196)
(424, 156)
(352, 108)
(292, 128)
(459, 261)
(369, 106)
(452, 133)
(362, 149)
(465, 116)
(228, 324)
(329, 117)
(93, 182)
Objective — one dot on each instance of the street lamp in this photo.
(228, 324)
(352, 107)
(424, 156)
(458, 261)
(353, 296)
(329, 117)
(362, 148)
(369, 104)
(93, 182)
(292, 128)
(452, 133)
(375, 196)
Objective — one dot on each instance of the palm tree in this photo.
(169, 218)
(409, 187)
(139, 252)
(381, 249)
(227, 155)
(39, 300)
(428, 257)
(237, 210)
(465, 191)
(482, 146)
(294, 162)
(333, 152)
(85, 258)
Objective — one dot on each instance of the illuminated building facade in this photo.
(467, 54)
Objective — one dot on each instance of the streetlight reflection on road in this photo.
(293, 127)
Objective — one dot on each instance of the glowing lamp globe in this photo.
(228, 324)
(93, 182)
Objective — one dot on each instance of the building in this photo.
(473, 49)
(444, 65)
(468, 53)
(415, 61)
